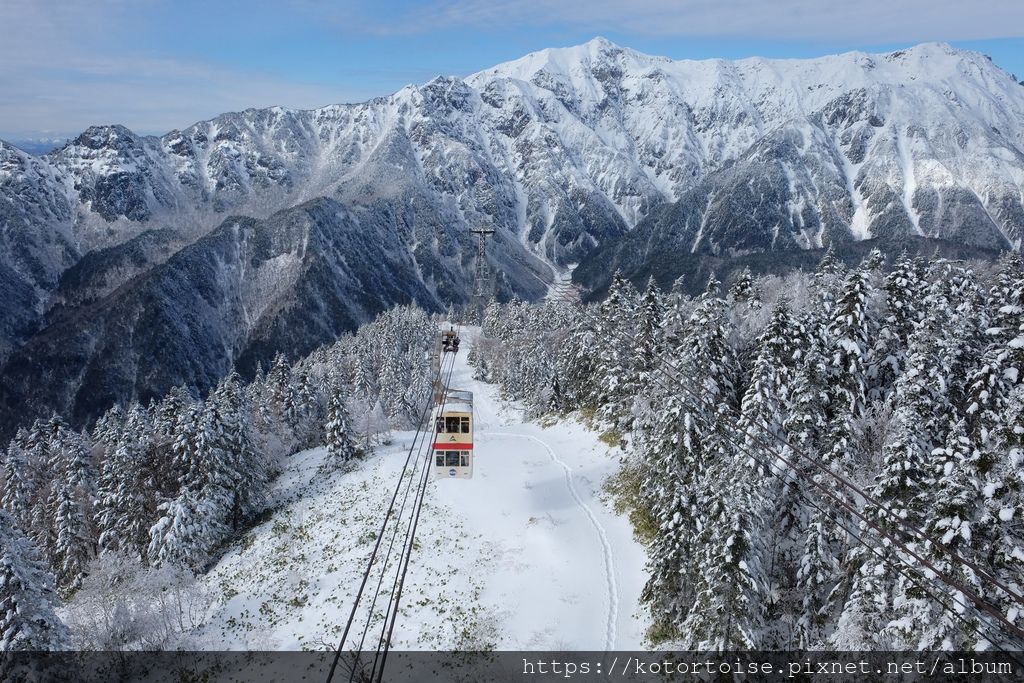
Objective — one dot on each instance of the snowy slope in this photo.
(523, 556)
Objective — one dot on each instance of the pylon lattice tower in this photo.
(481, 275)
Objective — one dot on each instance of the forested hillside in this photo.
(153, 493)
(741, 411)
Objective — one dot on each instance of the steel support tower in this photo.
(481, 276)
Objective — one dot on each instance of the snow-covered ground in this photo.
(526, 555)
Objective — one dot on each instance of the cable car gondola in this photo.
(449, 341)
(453, 438)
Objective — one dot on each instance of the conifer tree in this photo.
(578, 364)
(874, 261)
(73, 546)
(121, 514)
(19, 483)
(730, 585)
(850, 335)
(744, 290)
(766, 401)
(999, 532)
(679, 454)
(952, 500)
(905, 293)
(647, 348)
(616, 325)
(816, 580)
(861, 623)
(341, 447)
(28, 601)
(107, 430)
(237, 467)
(188, 530)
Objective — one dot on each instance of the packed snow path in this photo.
(526, 555)
(609, 557)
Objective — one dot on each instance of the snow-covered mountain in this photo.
(560, 151)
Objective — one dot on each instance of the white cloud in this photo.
(62, 68)
(145, 95)
(863, 21)
(65, 64)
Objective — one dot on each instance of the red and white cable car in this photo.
(453, 436)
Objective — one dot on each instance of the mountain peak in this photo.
(567, 59)
(113, 135)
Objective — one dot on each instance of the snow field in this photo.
(526, 555)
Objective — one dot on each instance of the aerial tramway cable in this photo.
(380, 536)
(384, 643)
(384, 568)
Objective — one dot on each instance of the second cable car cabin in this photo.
(453, 437)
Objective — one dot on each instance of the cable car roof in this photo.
(459, 396)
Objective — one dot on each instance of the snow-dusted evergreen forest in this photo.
(118, 519)
(736, 406)
(737, 412)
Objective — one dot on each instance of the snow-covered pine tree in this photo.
(874, 261)
(37, 455)
(766, 401)
(999, 533)
(905, 290)
(186, 532)
(713, 288)
(920, 405)
(952, 498)
(169, 410)
(769, 465)
(19, 480)
(829, 279)
(617, 325)
(341, 447)
(107, 430)
(999, 370)
(554, 403)
(962, 346)
(311, 409)
(73, 547)
(744, 290)
(850, 335)
(1004, 303)
(678, 308)
(236, 467)
(121, 514)
(728, 609)
(821, 543)
(28, 602)
(280, 389)
(861, 624)
(577, 365)
(944, 344)
(648, 344)
(679, 452)
(830, 264)
(70, 504)
(817, 578)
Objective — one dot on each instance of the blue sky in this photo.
(154, 65)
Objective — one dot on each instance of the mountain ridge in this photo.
(566, 152)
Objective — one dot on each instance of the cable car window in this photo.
(451, 458)
(465, 460)
(451, 424)
(440, 424)
(465, 425)
(440, 460)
